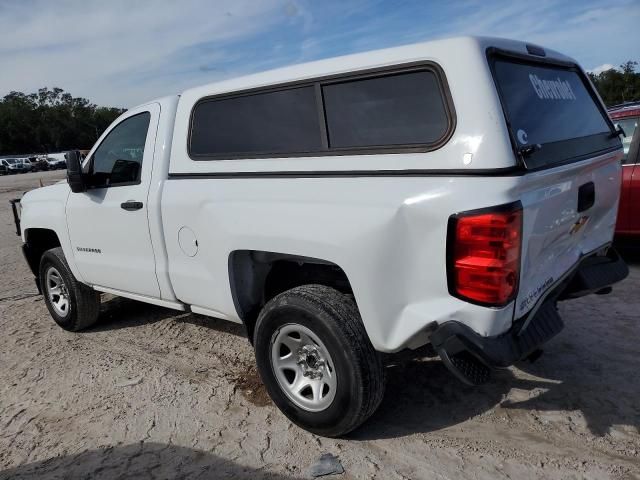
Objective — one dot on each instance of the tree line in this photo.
(618, 85)
(53, 120)
(49, 121)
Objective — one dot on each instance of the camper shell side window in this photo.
(401, 109)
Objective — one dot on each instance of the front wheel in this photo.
(72, 305)
(316, 360)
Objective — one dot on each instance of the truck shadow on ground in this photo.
(139, 461)
(601, 402)
(422, 396)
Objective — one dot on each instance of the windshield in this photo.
(12, 161)
(551, 111)
(629, 125)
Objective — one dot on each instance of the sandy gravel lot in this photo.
(149, 393)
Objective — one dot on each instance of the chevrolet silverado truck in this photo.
(446, 193)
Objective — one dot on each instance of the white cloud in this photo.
(592, 15)
(586, 30)
(123, 52)
(583, 30)
(97, 49)
(601, 68)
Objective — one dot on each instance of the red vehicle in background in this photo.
(627, 116)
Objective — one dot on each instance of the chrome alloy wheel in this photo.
(303, 367)
(57, 292)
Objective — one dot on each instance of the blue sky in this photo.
(123, 52)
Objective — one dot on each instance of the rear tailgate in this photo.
(555, 233)
(565, 141)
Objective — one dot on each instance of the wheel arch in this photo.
(257, 276)
(38, 241)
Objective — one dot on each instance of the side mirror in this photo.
(74, 171)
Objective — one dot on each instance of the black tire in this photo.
(83, 302)
(334, 318)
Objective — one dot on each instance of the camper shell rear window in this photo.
(552, 112)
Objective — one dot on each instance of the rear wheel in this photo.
(73, 305)
(316, 360)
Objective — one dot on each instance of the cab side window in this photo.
(118, 159)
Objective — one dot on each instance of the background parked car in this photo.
(56, 161)
(43, 165)
(38, 164)
(26, 163)
(14, 165)
(55, 164)
(627, 116)
(31, 166)
(3, 169)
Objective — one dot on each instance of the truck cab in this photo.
(346, 208)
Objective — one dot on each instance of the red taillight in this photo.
(484, 255)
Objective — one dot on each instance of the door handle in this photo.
(131, 205)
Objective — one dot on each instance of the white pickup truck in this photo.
(448, 193)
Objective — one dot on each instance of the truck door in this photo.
(108, 224)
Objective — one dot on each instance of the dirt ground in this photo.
(151, 393)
